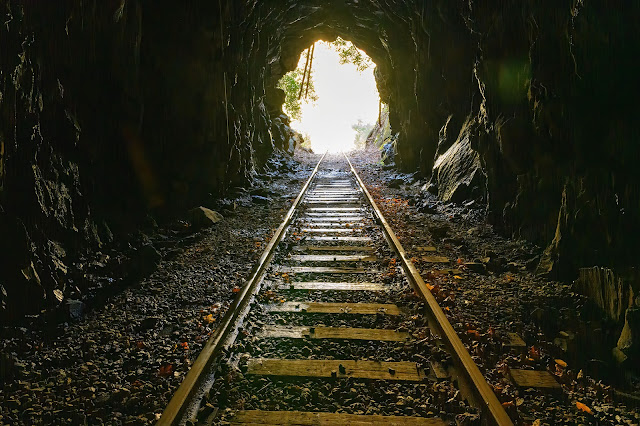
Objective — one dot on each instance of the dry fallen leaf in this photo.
(166, 370)
(492, 332)
(473, 333)
(583, 407)
(534, 353)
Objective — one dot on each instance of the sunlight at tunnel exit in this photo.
(345, 96)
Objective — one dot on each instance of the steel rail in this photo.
(491, 404)
(181, 398)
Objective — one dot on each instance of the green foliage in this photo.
(349, 54)
(306, 141)
(291, 83)
(382, 131)
(362, 132)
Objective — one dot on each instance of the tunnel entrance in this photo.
(332, 97)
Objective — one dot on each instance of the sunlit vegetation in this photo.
(300, 89)
(291, 83)
(362, 132)
(350, 54)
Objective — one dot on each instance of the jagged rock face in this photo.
(612, 293)
(560, 143)
(457, 173)
(111, 109)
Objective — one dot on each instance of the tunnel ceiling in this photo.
(113, 110)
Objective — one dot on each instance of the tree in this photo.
(292, 81)
(362, 132)
(350, 54)
(291, 84)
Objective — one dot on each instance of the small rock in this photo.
(395, 183)
(202, 217)
(428, 208)
(149, 322)
(494, 264)
(262, 192)
(75, 308)
(439, 231)
(476, 267)
(259, 199)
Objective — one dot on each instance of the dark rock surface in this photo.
(202, 217)
(457, 173)
(629, 341)
(612, 292)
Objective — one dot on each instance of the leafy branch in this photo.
(295, 83)
(291, 83)
(350, 54)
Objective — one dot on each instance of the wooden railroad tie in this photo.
(332, 286)
(335, 308)
(334, 248)
(535, 379)
(300, 418)
(336, 333)
(333, 258)
(331, 368)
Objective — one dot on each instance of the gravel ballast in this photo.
(120, 362)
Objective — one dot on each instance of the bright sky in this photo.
(345, 95)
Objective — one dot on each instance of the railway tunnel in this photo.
(119, 116)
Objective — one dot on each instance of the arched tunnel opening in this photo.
(331, 97)
(146, 160)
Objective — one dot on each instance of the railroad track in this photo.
(334, 326)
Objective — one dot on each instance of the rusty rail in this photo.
(182, 397)
(492, 408)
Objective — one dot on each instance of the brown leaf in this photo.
(165, 370)
(583, 407)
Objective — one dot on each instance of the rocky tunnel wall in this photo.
(111, 110)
